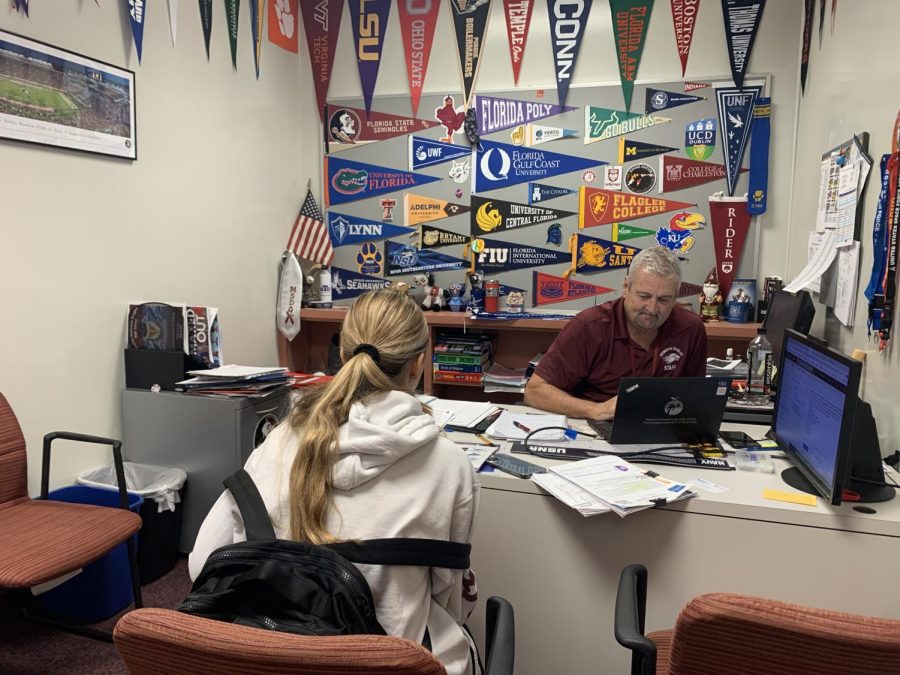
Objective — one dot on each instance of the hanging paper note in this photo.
(347, 230)
(568, 24)
(470, 24)
(136, 13)
(232, 18)
(407, 259)
(256, 25)
(548, 289)
(604, 207)
(425, 152)
(322, 24)
(759, 157)
(603, 123)
(684, 16)
(493, 256)
(417, 22)
(206, 22)
(630, 19)
(433, 237)
(369, 20)
(518, 19)
(348, 181)
(592, 254)
(496, 114)
(538, 192)
(500, 165)
(421, 209)
(346, 284)
(730, 224)
(283, 18)
(677, 173)
(735, 120)
(347, 127)
(741, 23)
(496, 215)
(173, 19)
(658, 99)
(290, 291)
(807, 38)
(632, 151)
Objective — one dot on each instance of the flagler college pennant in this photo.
(603, 123)
(369, 20)
(538, 192)
(684, 16)
(604, 207)
(568, 23)
(321, 23)
(232, 18)
(421, 209)
(730, 224)
(494, 256)
(417, 22)
(498, 165)
(347, 181)
(657, 99)
(256, 26)
(759, 157)
(518, 19)
(283, 18)
(592, 254)
(347, 127)
(735, 119)
(632, 151)
(741, 24)
(425, 152)
(407, 259)
(630, 19)
(206, 22)
(346, 284)
(434, 237)
(136, 11)
(290, 291)
(677, 173)
(496, 114)
(548, 289)
(496, 215)
(470, 19)
(346, 230)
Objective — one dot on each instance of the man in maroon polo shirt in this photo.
(644, 333)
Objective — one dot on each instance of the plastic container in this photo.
(759, 375)
(103, 588)
(160, 488)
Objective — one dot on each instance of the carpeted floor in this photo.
(29, 648)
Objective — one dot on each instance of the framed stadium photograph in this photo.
(55, 97)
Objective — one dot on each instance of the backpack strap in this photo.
(251, 505)
(406, 551)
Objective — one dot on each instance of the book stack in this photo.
(461, 359)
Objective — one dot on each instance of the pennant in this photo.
(568, 24)
(518, 19)
(493, 256)
(417, 22)
(322, 24)
(622, 232)
(347, 127)
(136, 12)
(758, 188)
(290, 291)
(807, 38)
(612, 177)
(368, 19)
(730, 224)
(369, 259)
(496, 215)
(22, 5)
(687, 289)
(283, 18)
(309, 238)
(700, 139)
(425, 152)
(173, 19)
(657, 99)
(735, 120)
(821, 21)
(470, 23)
(348, 181)
(496, 114)
(592, 254)
(407, 259)
(256, 27)
(684, 16)
(679, 174)
(433, 237)
(427, 209)
(347, 284)
(538, 192)
(630, 19)
(678, 235)
(691, 86)
(506, 290)
(603, 207)
(348, 230)
(741, 23)
(632, 151)
(206, 22)
(603, 123)
(833, 11)
(548, 289)
(500, 165)
(232, 17)
(530, 135)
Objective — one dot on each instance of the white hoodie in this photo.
(394, 477)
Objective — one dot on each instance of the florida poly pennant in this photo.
(368, 20)
(417, 22)
(347, 181)
(548, 289)
(421, 209)
(496, 114)
(283, 19)
(518, 19)
(592, 254)
(322, 24)
(603, 207)
(630, 19)
(497, 215)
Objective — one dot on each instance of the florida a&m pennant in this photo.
(684, 17)
(347, 181)
(470, 19)
(730, 224)
(417, 22)
(368, 20)
(548, 289)
(604, 207)
(630, 19)
(568, 24)
(741, 24)
(518, 19)
(420, 209)
(497, 215)
(347, 127)
(592, 254)
(735, 120)
(321, 24)
(603, 123)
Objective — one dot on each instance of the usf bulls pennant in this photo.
(496, 215)
(603, 123)
(603, 207)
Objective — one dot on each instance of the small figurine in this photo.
(401, 286)
(317, 290)
(457, 300)
(515, 302)
(711, 297)
(435, 297)
(476, 294)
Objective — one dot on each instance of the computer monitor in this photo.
(823, 427)
(787, 310)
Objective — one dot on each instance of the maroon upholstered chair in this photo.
(41, 540)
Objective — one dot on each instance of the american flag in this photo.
(310, 239)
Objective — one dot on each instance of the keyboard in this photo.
(603, 428)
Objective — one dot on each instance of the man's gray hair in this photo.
(658, 260)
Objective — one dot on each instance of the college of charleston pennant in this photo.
(346, 284)
(434, 237)
(368, 19)
(730, 224)
(425, 152)
(604, 207)
(232, 18)
(684, 16)
(321, 24)
(548, 289)
(807, 38)
(136, 12)
(759, 157)
(256, 25)
(346, 230)
(518, 19)
(591, 254)
(603, 123)
(347, 181)
(496, 114)
(568, 24)
(678, 173)
(421, 209)
(290, 291)
(347, 127)
(500, 165)
(407, 259)
(470, 24)
(741, 23)
(417, 22)
(283, 18)
(496, 215)
(735, 120)
(630, 19)
(206, 22)
(538, 192)
(493, 256)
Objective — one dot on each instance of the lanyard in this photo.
(874, 291)
(889, 282)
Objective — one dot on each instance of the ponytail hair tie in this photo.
(371, 350)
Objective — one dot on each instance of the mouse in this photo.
(864, 509)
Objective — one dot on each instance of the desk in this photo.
(560, 570)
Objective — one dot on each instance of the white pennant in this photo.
(290, 292)
(173, 19)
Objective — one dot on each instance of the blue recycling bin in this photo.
(103, 588)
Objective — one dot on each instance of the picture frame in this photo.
(57, 98)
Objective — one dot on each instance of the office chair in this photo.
(41, 540)
(165, 642)
(727, 633)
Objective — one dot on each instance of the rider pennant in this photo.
(518, 19)
(630, 19)
(730, 224)
(496, 215)
(417, 22)
(603, 207)
(369, 20)
(321, 24)
(548, 289)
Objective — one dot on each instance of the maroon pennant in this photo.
(684, 16)
(679, 173)
(321, 23)
(518, 18)
(730, 224)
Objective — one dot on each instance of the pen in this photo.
(484, 439)
(519, 425)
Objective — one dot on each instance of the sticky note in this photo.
(792, 497)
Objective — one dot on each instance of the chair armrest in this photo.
(500, 638)
(631, 604)
(84, 438)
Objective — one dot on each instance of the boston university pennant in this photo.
(735, 121)
(500, 165)
(538, 192)
(741, 23)
(347, 127)
(492, 256)
(603, 207)
(407, 259)
(417, 23)
(603, 123)
(630, 19)
(632, 151)
(348, 230)
(321, 24)
(591, 254)
(548, 289)
(470, 19)
(434, 237)
(421, 209)
(347, 181)
(346, 284)
(369, 20)
(496, 215)
(496, 114)
(425, 152)
(657, 99)
(730, 224)
(677, 173)
(684, 17)
(568, 23)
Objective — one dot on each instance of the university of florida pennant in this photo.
(347, 181)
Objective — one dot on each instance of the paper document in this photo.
(819, 262)
(570, 494)
(846, 284)
(477, 453)
(516, 427)
(848, 191)
(465, 413)
(234, 371)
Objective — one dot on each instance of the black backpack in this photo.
(297, 587)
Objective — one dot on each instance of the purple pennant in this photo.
(136, 10)
(369, 22)
(568, 23)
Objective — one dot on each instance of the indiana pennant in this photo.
(173, 19)
(632, 151)
(232, 18)
(730, 224)
(700, 138)
(493, 256)
(568, 24)
(691, 86)
(368, 19)
(500, 165)
(808, 7)
(346, 284)
(658, 99)
(283, 18)
(759, 157)
(677, 173)
(322, 24)
(735, 120)
(548, 289)
(741, 24)
(496, 215)
(425, 152)
(136, 13)
(518, 19)
(206, 22)
(684, 16)
(538, 192)
(496, 114)
(421, 209)
(347, 181)
(630, 19)
(530, 135)
(417, 22)
(592, 254)
(290, 292)
(622, 232)
(603, 207)
(470, 19)
(603, 123)
(434, 237)
(257, 7)
(346, 230)
(347, 127)
(407, 259)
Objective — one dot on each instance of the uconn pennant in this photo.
(567, 28)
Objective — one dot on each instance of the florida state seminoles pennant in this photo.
(434, 237)
(321, 23)
(741, 23)
(548, 289)
(603, 123)
(518, 19)
(632, 151)
(493, 256)
(592, 254)
(417, 22)
(735, 121)
(425, 152)
(470, 19)
(730, 224)
(500, 165)
(283, 18)
(496, 114)
(678, 173)
(407, 259)
(421, 209)
(347, 127)
(630, 19)
(684, 16)
(369, 21)
(568, 23)
(346, 284)
(347, 181)
(496, 215)
(346, 230)
(538, 192)
(603, 207)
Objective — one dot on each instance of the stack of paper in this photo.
(463, 414)
(233, 380)
(515, 427)
(501, 378)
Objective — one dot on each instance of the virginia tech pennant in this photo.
(321, 24)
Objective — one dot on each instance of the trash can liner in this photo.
(159, 483)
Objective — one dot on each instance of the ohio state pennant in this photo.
(603, 207)
(500, 165)
(206, 22)
(493, 256)
(538, 192)
(407, 259)
(730, 224)
(421, 209)
(347, 181)
(496, 215)
(496, 114)
(321, 24)
(568, 24)
(630, 19)
(346, 284)
(518, 19)
(603, 123)
(684, 16)
(470, 24)
(632, 151)
(548, 289)
(283, 18)
(735, 121)
(741, 24)
(347, 230)
(592, 254)
(347, 127)
(417, 22)
(434, 237)
(368, 19)
(677, 173)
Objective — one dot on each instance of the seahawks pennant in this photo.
(499, 165)
(349, 180)
(348, 230)
(421, 209)
(657, 100)
(407, 259)
(603, 207)
(425, 152)
(538, 192)
(346, 284)
(496, 114)
(433, 237)
(735, 120)
(592, 254)
(492, 256)
(603, 123)
(496, 215)
(632, 151)
(548, 289)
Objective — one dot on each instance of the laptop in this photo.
(666, 410)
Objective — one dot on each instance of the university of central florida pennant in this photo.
(232, 18)
(290, 291)
(684, 16)
(568, 24)
(321, 24)
(256, 25)
(206, 22)
(498, 165)
(347, 127)
(496, 215)
(658, 99)
(346, 230)
(425, 152)
(730, 224)
(592, 254)
(603, 123)
(759, 156)
(632, 151)
(347, 181)
(530, 135)
(470, 19)
(735, 121)
(518, 19)
(283, 18)
(548, 289)
(741, 23)
(434, 237)
(496, 114)
(493, 256)
(604, 207)
(407, 259)
(368, 19)
(417, 22)
(677, 173)
(630, 19)
(347, 284)
(538, 192)
(136, 11)
(421, 209)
